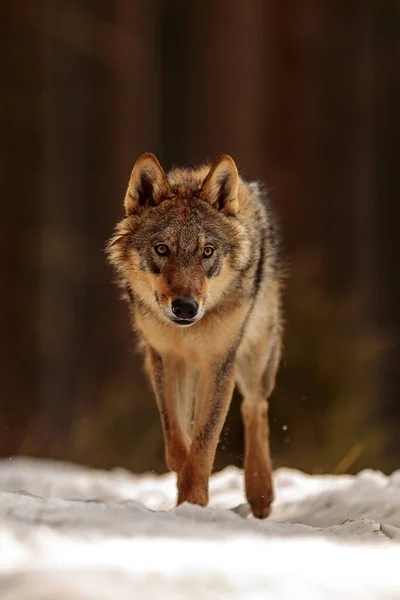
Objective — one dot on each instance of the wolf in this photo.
(198, 257)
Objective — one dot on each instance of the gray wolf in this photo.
(197, 254)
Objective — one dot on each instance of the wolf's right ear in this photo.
(148, 184)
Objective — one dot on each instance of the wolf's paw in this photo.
(259, 493)
(260, 507)
(192, 488)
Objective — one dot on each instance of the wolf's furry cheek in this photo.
(241, 253)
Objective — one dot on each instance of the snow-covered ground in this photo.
(70, 533)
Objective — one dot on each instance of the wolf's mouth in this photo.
(183, 322)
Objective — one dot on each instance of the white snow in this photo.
(71, 533)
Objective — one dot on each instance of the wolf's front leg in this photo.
(168, 377)
(213, 397)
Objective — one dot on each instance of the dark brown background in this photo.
(305, 96)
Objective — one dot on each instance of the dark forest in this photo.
(305, 96)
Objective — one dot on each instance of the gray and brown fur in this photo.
(193, 370)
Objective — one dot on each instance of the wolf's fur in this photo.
(237, 336)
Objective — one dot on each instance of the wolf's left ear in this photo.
(220, 187)
(148, 184)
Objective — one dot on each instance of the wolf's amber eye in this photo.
(208, 251)
(161, 249)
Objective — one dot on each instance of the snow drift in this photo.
(71, 533)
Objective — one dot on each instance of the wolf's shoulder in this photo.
(262, 220)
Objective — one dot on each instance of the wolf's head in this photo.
(181, 246)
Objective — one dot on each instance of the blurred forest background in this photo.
(305, 96)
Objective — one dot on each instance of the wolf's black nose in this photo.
(185, 308)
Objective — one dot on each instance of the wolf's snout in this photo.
(185, 308)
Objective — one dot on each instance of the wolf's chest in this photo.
(169, 340)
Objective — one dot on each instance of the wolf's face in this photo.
(180, 246)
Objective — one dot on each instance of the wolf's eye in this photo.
(208, 251)
(161, 249)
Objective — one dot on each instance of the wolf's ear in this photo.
(220, 187)
(148, 184)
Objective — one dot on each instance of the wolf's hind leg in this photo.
(256, 380)
(171, 382)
